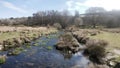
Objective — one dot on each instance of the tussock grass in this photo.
(17, 36)
(9, 35)
(9, 32)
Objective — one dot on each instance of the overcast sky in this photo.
(19, 8)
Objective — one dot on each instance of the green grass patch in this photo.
(36, 44)
(2, 59)
(49, 47)
(113, 39)
(28, 45)
(9, 35)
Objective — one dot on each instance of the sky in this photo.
(24, 8)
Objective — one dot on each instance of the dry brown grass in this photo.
(112, 36)
(11, 28)
(8, 32)
(112, 30)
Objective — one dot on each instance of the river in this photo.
(44, 55)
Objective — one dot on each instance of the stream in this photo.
(42, 54)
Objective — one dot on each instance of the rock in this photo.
(69, 52)
(116, 51)
(30, 64)
(110, 57)
(111, 63)
(1, 47)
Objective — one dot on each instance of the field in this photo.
(15, 36)
(7, 32)
(111, 38)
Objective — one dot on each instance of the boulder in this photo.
(1, 47)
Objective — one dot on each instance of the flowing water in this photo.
(44, 55)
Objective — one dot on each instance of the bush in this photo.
(117, 65)
(96, 53)
(57, 25)
(66, 37)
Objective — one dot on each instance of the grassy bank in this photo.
(112, 38)
(16, 36)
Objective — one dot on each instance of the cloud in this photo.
(12, 6)
(73, 5)
(70, 4)
(106, 4)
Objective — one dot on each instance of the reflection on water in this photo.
(42, 57)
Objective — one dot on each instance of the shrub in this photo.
(117, 65)
(66, 37)
(57, 25)
(96, 53)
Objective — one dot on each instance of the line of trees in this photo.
(44, 18)
(94, 17)
(97, 16)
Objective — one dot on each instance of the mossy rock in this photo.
(49, 47)
(28, 45)
(43, 43)
(36, 44)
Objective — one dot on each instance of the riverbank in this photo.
(41, 53)
(96, 45)
(100, 37)
(11, 37)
